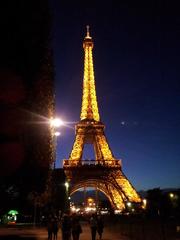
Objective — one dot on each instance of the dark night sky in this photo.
(136, 63)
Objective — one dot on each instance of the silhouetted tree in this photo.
(26, 97)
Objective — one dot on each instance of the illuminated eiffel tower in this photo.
(104, 172)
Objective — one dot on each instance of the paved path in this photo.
(32, 233)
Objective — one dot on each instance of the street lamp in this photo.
(55, 123)
(129, 204)
(67, 205)
(66, 185)
(171, 195)
(144, 203)
(57, 134)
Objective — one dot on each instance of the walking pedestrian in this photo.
(93, 226)
(55, 228)
(50, 228)
(66, 227)
(100, 226)
(76, 228)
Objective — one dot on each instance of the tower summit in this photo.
(89, 109)
(104, 172)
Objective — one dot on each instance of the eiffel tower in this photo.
(105, 172)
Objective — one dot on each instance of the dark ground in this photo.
(116, 229)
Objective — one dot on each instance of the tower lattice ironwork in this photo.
(105, 171)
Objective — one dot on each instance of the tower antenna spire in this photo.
(87, 35)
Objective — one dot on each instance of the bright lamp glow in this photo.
(13, 212)
(57, 134)
(171, 195)
(144, 203)
(66, 184)
(129, 204)
(56, 122)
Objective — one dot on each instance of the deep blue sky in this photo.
(136, 62)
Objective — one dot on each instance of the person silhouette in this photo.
(76, 228)
(93, 226)
(100, 226)
(55, 228)
(66, 227)
(50, 228)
